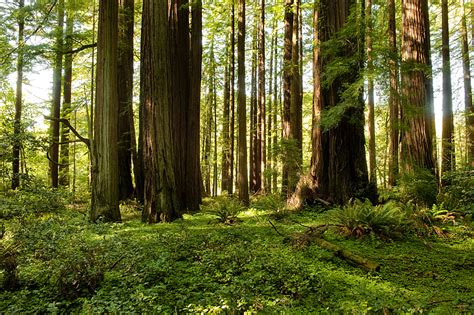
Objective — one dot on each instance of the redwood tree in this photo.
(126, 128)
(105, 192)
(242, 132)
(160, 193)
(338, 165)
(417, 145)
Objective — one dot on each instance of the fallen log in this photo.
(347, 255)
(314, 234)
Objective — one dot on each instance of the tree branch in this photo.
(74, 131)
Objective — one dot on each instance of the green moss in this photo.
(66, 264)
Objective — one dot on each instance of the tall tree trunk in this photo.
(193, 167)
(214, 130)
(269, 144)
(185, 55)
(394, 99)
(468, 106)
(66, 108)
(105, 192)
(56, 101)
(338, 164)
(448, 160)
(19, 97)
(126, 127)
(276, 107)
(232, 98)
(417, 145)
(296, 106)
(225, 127)
(242, 138)
(261, 97)
(160, 193)
(370, 94)
(254, 140)
(287, 71)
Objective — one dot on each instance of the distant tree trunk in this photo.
(242, 139)
(286, 123)
(226, 166)
(19, 98)
(66, 108)
(448, 160)
(126, 127)
(105, 192)
(269, 144)
(208, 125)
(417, 145)
(261, 98)
(276, 107)
(394, 99)
(296, 106)
(469, 108)
(232, 98)
(370, 94)
(254, 141)
(56, 101)
(338, 165)
(160, 193)
(214, 129)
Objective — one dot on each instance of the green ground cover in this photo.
(200, 265)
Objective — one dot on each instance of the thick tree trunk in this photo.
(193, 167)
(448, 160)
(286, 115)
(370, 94)
(417, 145)
(56, 101)
(394, 99)
(66, 108)
(160, 193)
(338, 166)
(468, 106)
(261, 98)
(19, 98)
(242, 138)
(126, 128)
(105, 193)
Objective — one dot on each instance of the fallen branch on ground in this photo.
(314, 234)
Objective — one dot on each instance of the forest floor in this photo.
(196, 265)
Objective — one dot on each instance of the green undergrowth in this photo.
(227, 261)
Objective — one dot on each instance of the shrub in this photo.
(419, 187)
(225, 208)
(361, 218)
(458, 192)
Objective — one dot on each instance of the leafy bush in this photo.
(419, 187)
(225, 208)
(458, 192)
(33, 199)
(361, 218)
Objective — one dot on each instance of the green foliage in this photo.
(361, 218)
(419, 187)
(458, 194)
(225, 208)
(67, 265)
(34, 198)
